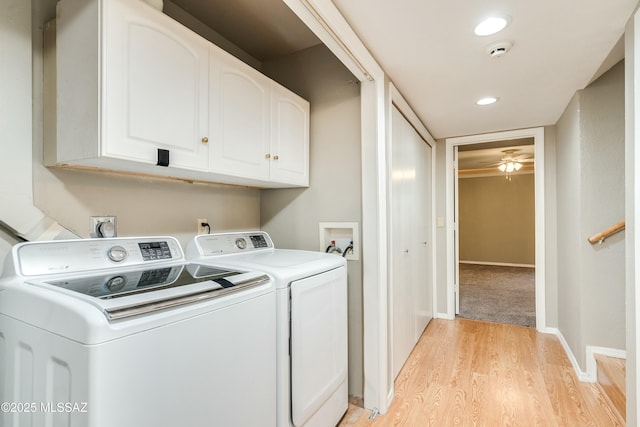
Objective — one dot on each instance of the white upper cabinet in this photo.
(239, 116)
(155, 87)
(261, 129)
(133, 85)
(289, 137)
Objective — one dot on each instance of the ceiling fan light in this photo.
(510, 167)
(518, 166)
(502, 167)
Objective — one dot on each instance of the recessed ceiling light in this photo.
(487, 100)
(491, 25)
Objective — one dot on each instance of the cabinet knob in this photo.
(205, 139)
(267, 156)
(276, 157)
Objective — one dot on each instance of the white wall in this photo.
(590, 197)
(291, 216)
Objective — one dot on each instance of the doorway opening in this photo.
(496, 223)
(510, 140)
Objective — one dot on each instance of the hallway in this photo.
(466, 372)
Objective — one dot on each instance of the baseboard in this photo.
(499, 264)
(582, 376)
(591, 374)
(592, 367)
(446, 316)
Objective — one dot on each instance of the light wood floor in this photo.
(472, 373)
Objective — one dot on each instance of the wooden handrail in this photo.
(601, 236)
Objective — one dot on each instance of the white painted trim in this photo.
(447, 316)
(538, 135)
(591, 374)
(326, 21)
(375, 275)
(582, 376)
(592, 366)
(497, 173)
(499, 264)
(403, 106)
(632, 213)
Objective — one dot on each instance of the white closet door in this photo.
(401, 275)
(423, 310)
(411, 286)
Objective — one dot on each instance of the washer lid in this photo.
(117, 284)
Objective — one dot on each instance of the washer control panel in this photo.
(229, 243)
(155, 250)
(68, 256)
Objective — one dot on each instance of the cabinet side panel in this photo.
(78, 74)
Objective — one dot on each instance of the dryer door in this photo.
(318, 344)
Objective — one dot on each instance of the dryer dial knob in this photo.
(241, 243)
(117, 254)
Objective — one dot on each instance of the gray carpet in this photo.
(498, 294)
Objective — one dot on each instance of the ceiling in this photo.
(430, 52)
(488, 155)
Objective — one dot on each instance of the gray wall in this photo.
(497, 219)
(291, 216)
(590, 198)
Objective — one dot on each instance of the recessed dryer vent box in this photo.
(343, 233)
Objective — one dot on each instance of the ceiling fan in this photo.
(512, 163)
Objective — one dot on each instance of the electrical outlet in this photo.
(103, 226)
(202, 229)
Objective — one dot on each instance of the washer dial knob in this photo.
(241, 243)
(115, 283)
(117, 254)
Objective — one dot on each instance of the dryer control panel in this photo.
(229, 243)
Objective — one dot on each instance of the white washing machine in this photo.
(124, 332)
(311, 294)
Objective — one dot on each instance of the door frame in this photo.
(451, 196)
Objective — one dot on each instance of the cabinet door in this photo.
(289, 137)
(154, 87)
(239, 117)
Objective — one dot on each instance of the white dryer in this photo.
(311, 319)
